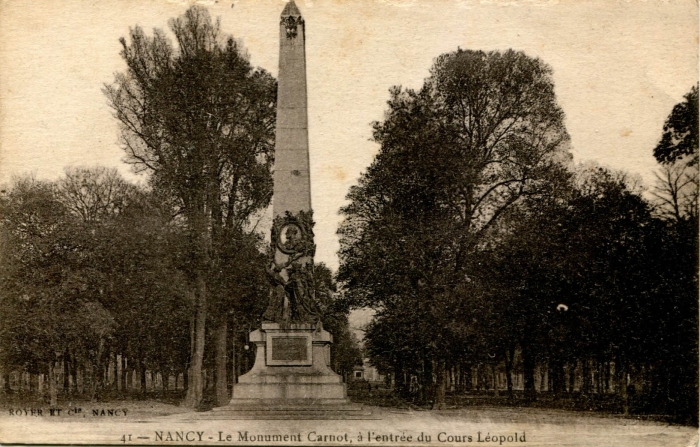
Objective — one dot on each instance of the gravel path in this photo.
(146, 423)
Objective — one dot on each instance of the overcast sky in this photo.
(619, 68)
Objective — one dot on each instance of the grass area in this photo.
(595, 404)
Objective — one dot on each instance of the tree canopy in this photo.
(680, 133)
(85, 272)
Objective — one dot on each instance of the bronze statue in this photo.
(291, 300)
(277, 308)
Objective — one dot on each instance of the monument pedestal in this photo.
(291, 368)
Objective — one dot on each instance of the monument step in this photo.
(287, 413)
(315, 408)
(286, 417)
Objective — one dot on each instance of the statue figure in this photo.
(300, 290)
(291, 300)
(278, 304)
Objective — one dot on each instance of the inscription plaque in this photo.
(289, 349)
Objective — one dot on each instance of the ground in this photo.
(154, 422)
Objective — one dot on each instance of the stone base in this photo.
(286, 409)
(273, 393)
(290, 377)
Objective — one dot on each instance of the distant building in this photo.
(367, 372)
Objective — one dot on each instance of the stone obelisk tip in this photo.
(290, 9)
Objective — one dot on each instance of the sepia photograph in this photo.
(349, 222)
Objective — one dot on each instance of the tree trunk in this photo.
(73, 367)
(468, 378)
(510, 356)
(125, 372)
(439, 402)
(53, 392)
(6, 381)
(193, 321)
(66, 372)
(572, 376)
(493, 378)
(79, 377)
(556, 376)
(220, 334)
(458, 378)
(195, 388)
(426, 381)
(142, 376)
(529, 373)
(239, 365)
(87, 378)
(621, 372)
(97, 371)
(585, 373)
(234, 375)
(400, 379)
(605, 377)
(115, 361)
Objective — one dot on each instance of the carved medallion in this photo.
(293, 234)
(290, 236)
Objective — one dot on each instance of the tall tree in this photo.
(200, 119)
(484, 132)
(676, 199)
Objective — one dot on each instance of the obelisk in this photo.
(292, 229)
(292, 348)
(292, 186)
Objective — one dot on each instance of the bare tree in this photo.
(94, 193)
(676, 190)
